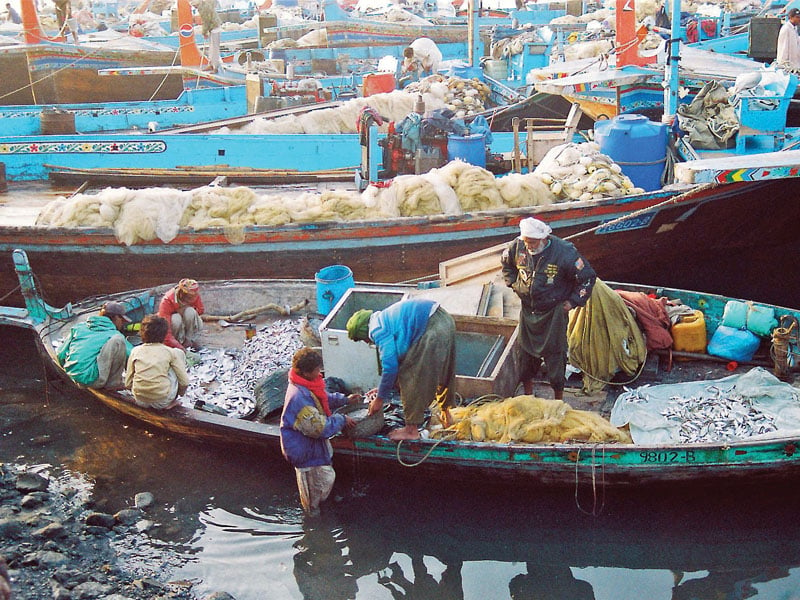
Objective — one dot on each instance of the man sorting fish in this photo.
(416, 340)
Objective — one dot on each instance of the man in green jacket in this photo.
(95, 352)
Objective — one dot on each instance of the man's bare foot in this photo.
(409, 432)
(447, 418)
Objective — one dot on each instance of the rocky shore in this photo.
(57, 545)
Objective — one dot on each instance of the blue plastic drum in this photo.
(637, 145)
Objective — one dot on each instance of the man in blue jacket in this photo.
(416, 340)
(307, 422)
(95, 352)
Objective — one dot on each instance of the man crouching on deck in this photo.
(416, 340)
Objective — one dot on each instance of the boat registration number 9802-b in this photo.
(668, 456)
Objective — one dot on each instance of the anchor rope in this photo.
(595, 511)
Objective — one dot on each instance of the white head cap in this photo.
(534, 228)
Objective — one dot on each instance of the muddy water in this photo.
(231, 519)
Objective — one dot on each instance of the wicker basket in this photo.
(365, 425)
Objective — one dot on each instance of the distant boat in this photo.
(191, 106)
(45, 70)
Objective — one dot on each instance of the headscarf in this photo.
(188, 285)
(534, 228)
(358, 325)
(315, 386)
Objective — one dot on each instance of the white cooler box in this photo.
(355, 363)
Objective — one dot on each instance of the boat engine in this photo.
(398, 160)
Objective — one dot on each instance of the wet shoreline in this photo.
(57, 545)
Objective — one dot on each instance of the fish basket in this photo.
(366, 425)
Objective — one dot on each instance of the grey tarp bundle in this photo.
(709, 120)
(649, 425)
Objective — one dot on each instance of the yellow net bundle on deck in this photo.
(528, 419)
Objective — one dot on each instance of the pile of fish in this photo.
(714, 415)
(227, 378)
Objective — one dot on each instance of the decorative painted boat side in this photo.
(191, 106)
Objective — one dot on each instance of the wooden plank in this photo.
(482, 266)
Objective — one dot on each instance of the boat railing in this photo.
(36, 310)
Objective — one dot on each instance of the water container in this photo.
(689, 334)
(378, 83)
(496, 69)
(733, 344)
(332, 283)
(735, 314)
(636, 144)
(470, 148)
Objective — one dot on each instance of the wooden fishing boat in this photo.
(551, 463)
(687, 235)
(47, 70)
(191, 106)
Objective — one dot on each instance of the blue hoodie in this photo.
(394, 331)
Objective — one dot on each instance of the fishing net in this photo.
(528, 419)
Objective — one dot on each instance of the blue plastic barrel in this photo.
(469, 148)
(332, 283)
(638, 145)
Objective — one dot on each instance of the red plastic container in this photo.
(378, 83)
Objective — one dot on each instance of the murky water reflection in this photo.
(231, 521)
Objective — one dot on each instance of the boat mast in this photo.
(671, 74)
(474, 51)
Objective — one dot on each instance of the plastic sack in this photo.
(735, 314)
(761, 320)
(733, 344)
(758, 319)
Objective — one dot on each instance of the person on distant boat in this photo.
(422, 58)
(182, 307)
(788, 55)
(95, 351)
(212, 28)
(551, 278)
(156, 373)
(416, 341)
(12, 16)
(64, 17)
(307, 421)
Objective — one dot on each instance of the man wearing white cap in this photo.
(551, 278)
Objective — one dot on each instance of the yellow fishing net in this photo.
(530, 420)
(604, 338)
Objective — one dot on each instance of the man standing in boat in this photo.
(212, 28)
(788, 56)
(551, 278)
(95, 351)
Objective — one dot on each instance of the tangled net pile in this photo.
(527, 419)
(159, 213)
(581, 172)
